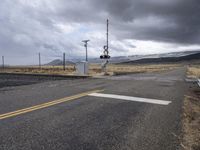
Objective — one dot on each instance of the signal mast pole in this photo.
(107, 33)
(105, 55)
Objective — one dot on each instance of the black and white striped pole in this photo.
(105, 55)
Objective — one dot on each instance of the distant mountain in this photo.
(58, 62)
(165, 57)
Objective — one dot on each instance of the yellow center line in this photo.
(44, 105)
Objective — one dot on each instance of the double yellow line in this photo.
(44, 105)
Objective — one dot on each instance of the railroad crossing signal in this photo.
(106, 52)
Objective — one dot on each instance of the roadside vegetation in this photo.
(191, 113)
(94, 69)
(194, 71)
(191, 121)
(70, 70)
(123, 69)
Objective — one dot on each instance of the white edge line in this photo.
(130, 98)
(199, 82)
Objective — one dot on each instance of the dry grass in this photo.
(193, 71)
(126, 69)
(191, 123)
(191, 116)
(94, 69)
(70, 70)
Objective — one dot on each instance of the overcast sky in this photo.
(52, 27)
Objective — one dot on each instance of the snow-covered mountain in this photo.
(179, 56)
(165, 57)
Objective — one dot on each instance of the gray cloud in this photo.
(29, 27)
(174, 21)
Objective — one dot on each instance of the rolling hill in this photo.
(58, 62)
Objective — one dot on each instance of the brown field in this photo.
(70, 70)
(94, 69)
(123, 69)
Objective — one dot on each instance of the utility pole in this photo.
(3, 62)
(39, 60)
(63, 61)
(86, 42)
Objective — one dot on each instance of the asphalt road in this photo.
(89, 122)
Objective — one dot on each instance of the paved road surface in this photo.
(90, 122)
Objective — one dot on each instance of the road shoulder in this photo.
(191, 119)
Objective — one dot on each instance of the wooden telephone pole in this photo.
(63, 61)
(3, 65)
(39, 60)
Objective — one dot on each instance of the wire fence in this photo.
(52, 66)
(34, 60)
(58, 64)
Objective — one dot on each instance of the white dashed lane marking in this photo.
(130, 98)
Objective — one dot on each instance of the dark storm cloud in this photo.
(177, 20)
(174, 21)
(31, 26)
